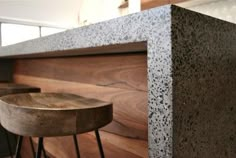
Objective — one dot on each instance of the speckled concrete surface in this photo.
(204, 86)
(153, 26)
(191, 76)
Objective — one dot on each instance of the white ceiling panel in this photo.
(61, 13)
(221, 9)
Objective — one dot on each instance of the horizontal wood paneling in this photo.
(120, 79)
(129, 113)
(122, 71)
(148, 4)
(114, 146)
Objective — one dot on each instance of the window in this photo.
(45, 31)
(14, 33)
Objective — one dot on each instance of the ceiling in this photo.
(65, 13)
(192, 3)
(221, 9)
(58, 13)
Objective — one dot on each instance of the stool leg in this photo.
(44, 152)
(76, 146)
(32, 146)
(40, 146)
(99, 143)
(8, 143)
(18, 147)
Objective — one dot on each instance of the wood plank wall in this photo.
(148, 4)
(120, 78)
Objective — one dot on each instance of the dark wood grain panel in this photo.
(130, 107)
(127, 71)
(121, 79)
(26, 150)
(148, 4)
(114, 146)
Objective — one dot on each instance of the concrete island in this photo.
(170, 73)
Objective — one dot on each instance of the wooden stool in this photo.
(13, 88)
(54, 114)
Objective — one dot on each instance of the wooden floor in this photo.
(121, 79)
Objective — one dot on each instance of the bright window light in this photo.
(45, 31)
(14, 33)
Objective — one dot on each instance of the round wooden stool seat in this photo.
(13, 88)
(52, 114)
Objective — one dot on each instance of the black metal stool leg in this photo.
(16, 138)
(40, 146)
(32, 146)
(18, 147)
(44, 152)
(99, 143)
(8, 143)
(33, 150)
(76, 146)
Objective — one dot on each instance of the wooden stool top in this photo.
(13, 88)
(52, 114)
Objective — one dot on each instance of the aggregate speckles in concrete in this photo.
(204, 86)
(153, 26)
(191, 76)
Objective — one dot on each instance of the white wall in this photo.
(71, 13)
(92, 11)
(62, 13)
(224, 9)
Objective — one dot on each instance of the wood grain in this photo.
(121, 71)
(130, 114)
(121, 79)
(26, 149)
(114, 146)
(55, 114)
(148, 4)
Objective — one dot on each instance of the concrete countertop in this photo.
(191, 74)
